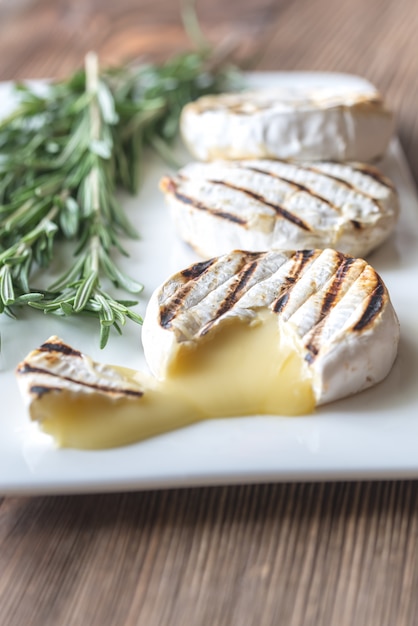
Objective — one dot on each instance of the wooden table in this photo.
(307, 554)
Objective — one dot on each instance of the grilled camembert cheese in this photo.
(262, 204)
(245, 334)
(303, 327)
(307, 120)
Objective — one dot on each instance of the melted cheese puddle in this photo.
(239, 368)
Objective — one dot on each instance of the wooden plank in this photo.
(290, 554)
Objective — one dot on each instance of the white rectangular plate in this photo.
(372, 435)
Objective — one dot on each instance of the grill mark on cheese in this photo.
(41, 390)
(372, 172)
(312, 353)
(374, 306)
(282, 300)
(194, 271)
(61, 348)
(236, 291)
(334, 291)
(291, 182)
(343, 182)
(300, 260)
(288, 215)
(27, 368)
(332, 295)
(170, 310)
(168, 185)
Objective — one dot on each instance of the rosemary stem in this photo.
(94, 251)
(92, 86)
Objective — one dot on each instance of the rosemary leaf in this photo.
(104, 334)
(106, 314)
(84, 291)
(7, 293)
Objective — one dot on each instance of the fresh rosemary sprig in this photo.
(64, 153)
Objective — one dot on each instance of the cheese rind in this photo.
(345, 121)
(264, 204)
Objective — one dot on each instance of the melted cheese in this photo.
(95, 421)
(239, 368)
(243, 369)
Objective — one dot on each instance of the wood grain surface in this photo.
(336, 554)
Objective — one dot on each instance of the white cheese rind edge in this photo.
(343, 131)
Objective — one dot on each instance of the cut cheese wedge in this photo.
(263, 204)
(345, 120)
(245, 334)
(88, 405)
